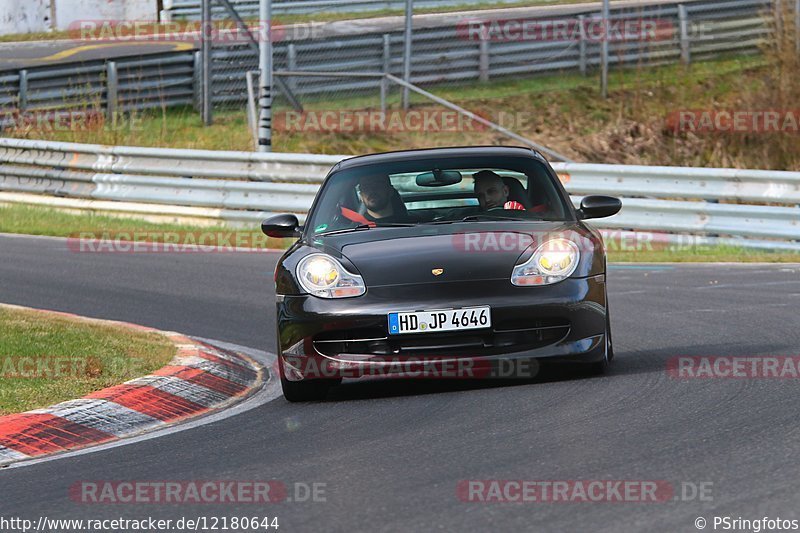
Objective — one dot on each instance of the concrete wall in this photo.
(69, 11)
(27, 16)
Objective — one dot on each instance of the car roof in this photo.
(429, 153)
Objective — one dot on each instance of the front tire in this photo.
(304, 391)
(599, 368)
(307, 390)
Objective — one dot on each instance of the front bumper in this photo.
(320, 338)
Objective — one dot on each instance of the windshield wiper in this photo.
(395, 224)
(347, 230)
(435, 222)
(474, 218)
(368, 226)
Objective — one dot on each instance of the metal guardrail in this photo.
(440, 56)
(756, 208)
(124, 84)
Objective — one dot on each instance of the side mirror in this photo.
(599, 207)
(281, 226)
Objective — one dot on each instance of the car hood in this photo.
(458, 252)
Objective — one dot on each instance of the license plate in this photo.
(440, 320)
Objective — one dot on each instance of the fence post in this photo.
(606, 16)
(408, 36)
(252, 104)
(387, 69)
(112, 91)
(582, 44)
(683, 21)
(197, 81)
(208, 105)
(483, 58)
(166, 13)
(291, 63)
(266, 62)
(23, 91)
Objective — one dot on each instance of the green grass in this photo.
(46, 359)
(702, 254)
(35, 220)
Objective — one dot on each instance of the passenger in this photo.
(492, 192)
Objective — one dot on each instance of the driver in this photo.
(382, 201)
(376, 194)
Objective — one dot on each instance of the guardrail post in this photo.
(23, 91)
(252, 105)
(483, 58)
(582, 44)
(291, 60)
(112, 91)
(197, 81)
(166, 12)
(387, 69)
(683, 21)
(606, 18)
(207, 32)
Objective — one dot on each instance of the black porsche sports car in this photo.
(448, 262)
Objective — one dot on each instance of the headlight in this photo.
(323, 276)
(553, 261)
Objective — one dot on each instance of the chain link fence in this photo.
(469, 49)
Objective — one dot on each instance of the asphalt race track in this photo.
(31, 54)
(391, 454)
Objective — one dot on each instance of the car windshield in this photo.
(428, 191)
